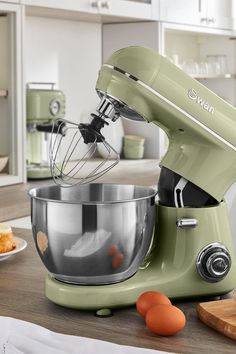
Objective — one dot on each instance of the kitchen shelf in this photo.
(206, 77)
(3, 93)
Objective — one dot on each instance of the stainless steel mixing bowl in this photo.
(94, 233)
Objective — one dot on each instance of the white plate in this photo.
(20, 246)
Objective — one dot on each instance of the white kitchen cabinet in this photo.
(12, 121)
(85, 6)
(206, 13)
(94, 10)
(182, 11)
(145, 10)
(217, 13)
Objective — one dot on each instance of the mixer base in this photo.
(172, 268)
(86, 297)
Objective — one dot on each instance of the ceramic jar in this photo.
(133, 146)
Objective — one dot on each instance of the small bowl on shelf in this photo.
(3, 162)
(133, 147)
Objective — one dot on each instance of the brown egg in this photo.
(165, 320)
(150, 299)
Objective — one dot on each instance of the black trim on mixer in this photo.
(192, 195)
(119, 70)
(178, 192)
(125, 73)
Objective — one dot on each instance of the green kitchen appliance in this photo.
(191, 253)
(44, 104)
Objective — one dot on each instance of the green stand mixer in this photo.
(181, 244)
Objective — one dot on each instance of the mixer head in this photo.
(66, 169)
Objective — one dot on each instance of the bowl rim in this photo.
(31, 193)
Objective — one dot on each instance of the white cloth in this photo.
(20, 337)
(88, 243)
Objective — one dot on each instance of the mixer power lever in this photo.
(186, 223)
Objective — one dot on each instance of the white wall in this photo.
(68, 53)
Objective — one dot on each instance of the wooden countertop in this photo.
(14, 200)
(22, 297)
(15, 203)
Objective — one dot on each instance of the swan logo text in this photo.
(192, 94)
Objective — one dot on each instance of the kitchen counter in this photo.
(22, 297)
(15, 203)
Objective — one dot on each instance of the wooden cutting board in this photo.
(220, 315)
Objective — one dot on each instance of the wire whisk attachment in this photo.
(72, 152)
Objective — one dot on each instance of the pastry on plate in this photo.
(7, 243)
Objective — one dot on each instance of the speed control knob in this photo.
(213, 262)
